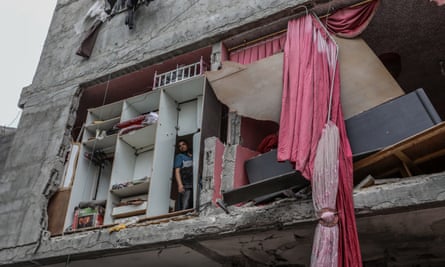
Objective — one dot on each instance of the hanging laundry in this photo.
(137, 123)
(88, 26)
(118, 6)
(110, 5)
(129, 19)
(131, 6)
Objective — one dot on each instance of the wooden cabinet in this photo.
(136, 167)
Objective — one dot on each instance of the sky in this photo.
(24, 25)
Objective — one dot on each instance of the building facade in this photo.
(102, 66)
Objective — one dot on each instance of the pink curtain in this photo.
(259, 51)
(310, 73)
(349, 22)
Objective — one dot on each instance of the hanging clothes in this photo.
(87, 44)
(131, 8)
(88, 27)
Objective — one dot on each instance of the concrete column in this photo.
(215, 63)
(34, 167)
(234, 128)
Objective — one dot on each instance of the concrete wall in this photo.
(33, 169)
(6, 137)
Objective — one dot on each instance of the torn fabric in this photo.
(351, 21)
(88, 27)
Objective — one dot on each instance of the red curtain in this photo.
(259, 51)
(310, 71)
(350, 22)
(347, 22)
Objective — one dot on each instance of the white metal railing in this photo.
(181, 73)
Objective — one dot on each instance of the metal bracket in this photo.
(222, 205)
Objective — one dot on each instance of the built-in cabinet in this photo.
(137, 166)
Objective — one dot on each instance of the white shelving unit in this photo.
(91, 181)
(106, 142)
(129, 210)
(141, 138)
(133, 190)
(183, 109)
(135, 156)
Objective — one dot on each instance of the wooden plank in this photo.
(431, 156)
(417, 139)
(408, 164)
(405, 170)
(167, 215)
(392, 171)
(422, 147)
(57, 208)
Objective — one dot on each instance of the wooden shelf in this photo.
(186, 89)
(107, 141)
(404, 156)
(140, 138)
(132, 190)
(104, 125)
(129, 210)
(107, 112)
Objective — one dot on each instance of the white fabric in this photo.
(324, 194)
(95, 13)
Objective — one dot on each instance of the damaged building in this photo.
(88, 177)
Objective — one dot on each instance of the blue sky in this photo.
(24, 25)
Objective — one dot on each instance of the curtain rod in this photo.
(259, 39)
(350, 6)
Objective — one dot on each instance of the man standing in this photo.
(184, 175)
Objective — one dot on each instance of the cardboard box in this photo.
(88, 217)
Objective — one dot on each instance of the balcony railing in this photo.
(181, 73)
